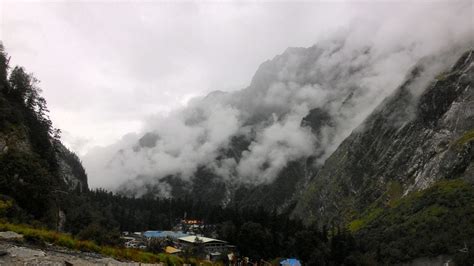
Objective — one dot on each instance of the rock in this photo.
(23, 252)
(70, 169)
(110, 261)
(10, 235)
(18, 255)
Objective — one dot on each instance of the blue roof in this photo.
(164, 234)
(290, 262)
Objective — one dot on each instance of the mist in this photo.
(345, 74)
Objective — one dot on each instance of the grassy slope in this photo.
(438, 220)
(66, 240)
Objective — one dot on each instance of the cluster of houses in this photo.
(184, 239)
(187, 239)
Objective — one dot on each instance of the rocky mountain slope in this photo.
(414, 138)
(36, 169)
(405, 144)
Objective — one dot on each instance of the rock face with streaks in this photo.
(422, 133)
(71, 170)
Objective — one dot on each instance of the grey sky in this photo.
(107, 66)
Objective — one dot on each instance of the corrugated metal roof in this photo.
(194, 239)
(164, 234)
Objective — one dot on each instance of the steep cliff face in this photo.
(70, 169)
(416, 137)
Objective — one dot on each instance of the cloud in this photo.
(275, 146)
(105, 66)
(132, 67)
(346, 75)
(184, 140)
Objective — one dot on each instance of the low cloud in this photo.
(345, 76)
(275, 146)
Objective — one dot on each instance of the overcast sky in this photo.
(106, 66)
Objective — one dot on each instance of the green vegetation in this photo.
(368, 217)
(394, 192)
(65, 240)
(28, 162)
(467, 137)
(438, 220)
(389, 198)
(5, 205)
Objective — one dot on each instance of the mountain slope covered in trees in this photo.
(36, 170)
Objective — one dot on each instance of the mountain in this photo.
(394, 187)
(298, 110)
(36, 170)
(401, 181)
(414, 139)
(259, 145)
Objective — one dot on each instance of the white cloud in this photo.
(275, 146)
(108, 69)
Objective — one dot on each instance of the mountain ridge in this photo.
(415, 151)
(289, 185)
(322, 96)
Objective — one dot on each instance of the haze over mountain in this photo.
(340, 79)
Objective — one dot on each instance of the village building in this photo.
(133, 240)
(210, 246)
(190, 226)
